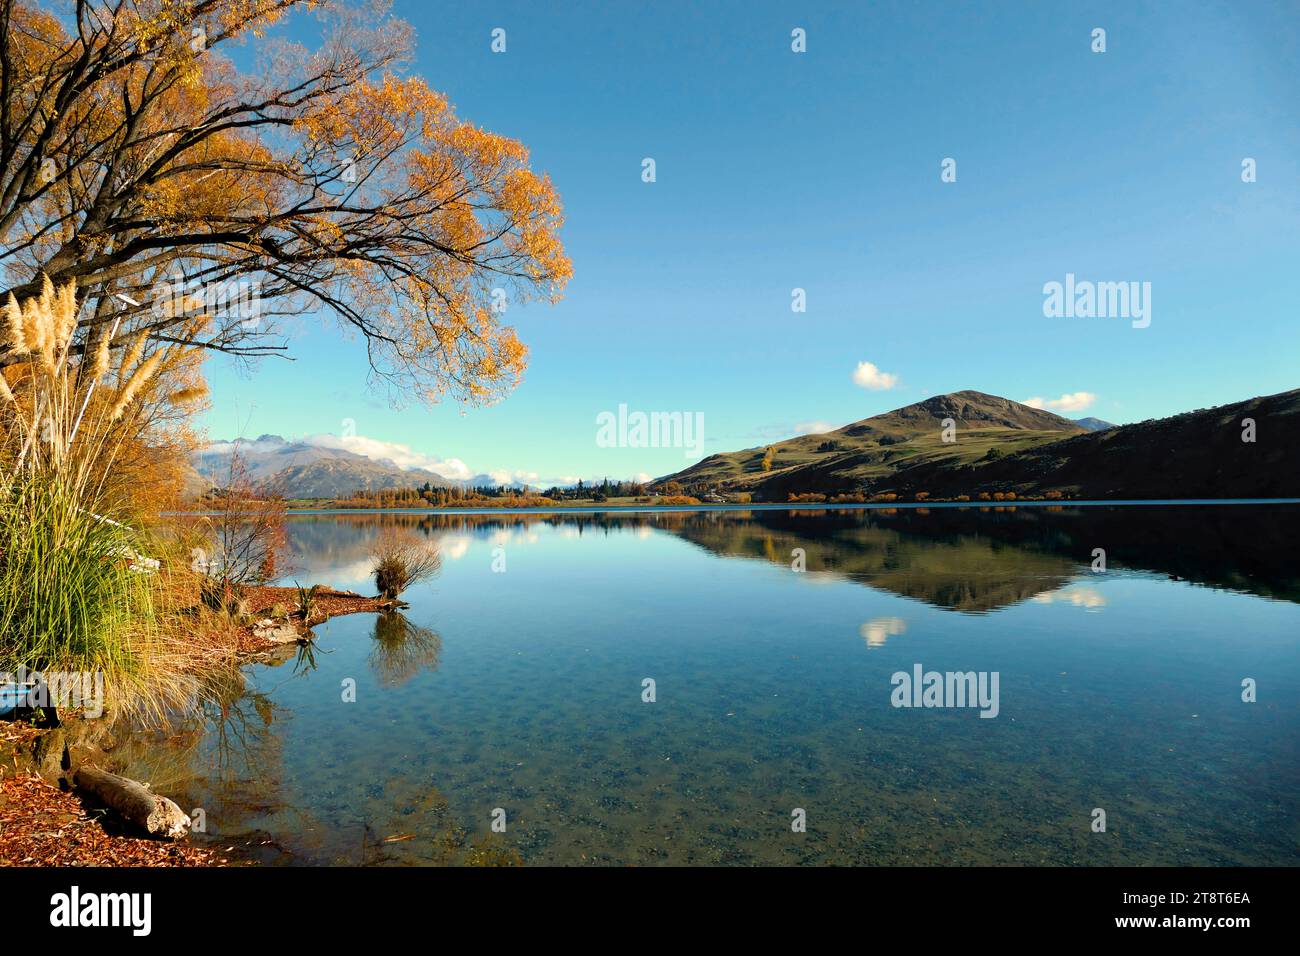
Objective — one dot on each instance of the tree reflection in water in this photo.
(402, 649)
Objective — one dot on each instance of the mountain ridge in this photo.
(302, 470)
(881, 441)
(971, 407)
(1001, 445)
(1094, 424)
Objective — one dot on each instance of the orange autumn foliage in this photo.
(138, 156)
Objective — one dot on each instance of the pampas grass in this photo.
(71, 597)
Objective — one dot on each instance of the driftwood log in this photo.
(134, 802)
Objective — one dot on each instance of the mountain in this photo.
(263, 457)
(969, 409)
(301, 470)
(1093, 424)
(1005, 446)
(870, 450)
(337, 478)
(1198, 454)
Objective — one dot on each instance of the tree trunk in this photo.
(134, 802)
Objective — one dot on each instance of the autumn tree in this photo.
(198, 196)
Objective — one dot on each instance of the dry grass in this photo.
(402, 558)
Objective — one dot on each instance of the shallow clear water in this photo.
(522, 690)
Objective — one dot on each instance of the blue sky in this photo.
(821, 171)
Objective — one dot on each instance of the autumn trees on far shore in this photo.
(921, 497)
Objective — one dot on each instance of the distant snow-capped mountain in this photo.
(307, 469)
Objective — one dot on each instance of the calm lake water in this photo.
(522, 690)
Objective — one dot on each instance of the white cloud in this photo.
(454, 546)
(1069, 402)
(350, 574)
(511, 478)
(867, 375)
(590, 481)
(878, 630)
(814, 428)
(1080, 595)
(403, 456)
(244, 447)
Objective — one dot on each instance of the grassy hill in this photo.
(871, 450)
(1002, 445)
(1197, 454)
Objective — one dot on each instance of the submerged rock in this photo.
(277, 633)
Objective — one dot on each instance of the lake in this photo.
(514, 689)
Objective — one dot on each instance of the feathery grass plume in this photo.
(103, 353)
(15, 336)
(45, 324)
(33, 325)
(64, 309)
(186, 395)
(6, 394)
(139, 378)
(32, 329)
(131, 357)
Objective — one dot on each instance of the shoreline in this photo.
(45, 822)
(291, 629)
(787, 506)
